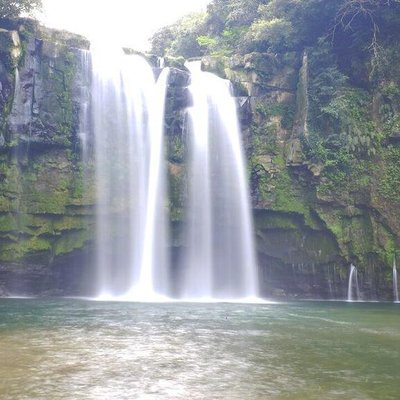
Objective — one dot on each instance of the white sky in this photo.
(131, 22)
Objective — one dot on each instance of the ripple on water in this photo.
(101, 350)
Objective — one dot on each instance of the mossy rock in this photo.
(10, 47)
(8, 223)
(177, 189)
(71, 241)
(24, 248)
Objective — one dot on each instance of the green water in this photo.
(71, 349)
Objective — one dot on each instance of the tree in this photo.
(162, 40)
(180, 39)
(14, 8)
(276, 34)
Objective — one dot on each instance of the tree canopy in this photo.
(14, 8)
(243, 26)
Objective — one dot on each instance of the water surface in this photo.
(73, 349)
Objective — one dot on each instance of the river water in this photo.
(76, 349)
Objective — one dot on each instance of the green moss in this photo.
(35, 225)
(46, 184)
(8, 223)
(10, 177)
(280, 161)
(360, 235)
(10, 48)
(389, 246)
(389, 185)
(5, 204)
(333, 219)
(16, 251)
(52, 225)
(216, 64)
(268, 220)
(176, 149)
(176, 192)
(70, 241)
(175, 62)
(265, 138)
(35, 235)
(43, 203)
(290, 199)
(69, 223)
(57, 78)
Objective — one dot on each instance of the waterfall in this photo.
(161, 62)
(219, 260)
(395, 286)
(353, 282)
(127, 123)
(21, 109)
(84, 121)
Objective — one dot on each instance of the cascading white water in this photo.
(84, 120)
(395, 285)
(21, 110)
(219, 260)
(353, 283)
(127, 121)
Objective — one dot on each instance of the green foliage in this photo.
(267, 120)
(231, 39)
(271, 35)
(208, 44)
(388, 109)
(181, 39)
(264, 138)
(162, 40)
(342, 129)
(207, 41)
(222, 14)
(332, 153)
(243, 26)
(389, 186)
(13, 9)
(71, 241)
(350, 111)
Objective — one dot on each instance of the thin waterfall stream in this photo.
(395, 285)
(353, 284)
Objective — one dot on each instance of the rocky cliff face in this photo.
(313, 220)
(310, 223)
(44, 211)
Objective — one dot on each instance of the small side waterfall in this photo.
(219, 261)
(127, 122)
(84, 116)
(395, 285)
(21, 110)
(353, 284)
(161, 62)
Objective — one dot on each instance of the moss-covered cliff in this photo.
(319, 91)
(44, 210)
(313, 217)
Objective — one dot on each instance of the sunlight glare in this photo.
(127, 22)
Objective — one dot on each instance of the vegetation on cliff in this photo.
(232, 26)
(44, 211)
(13, 9)
(352, 48)
(321, 123)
